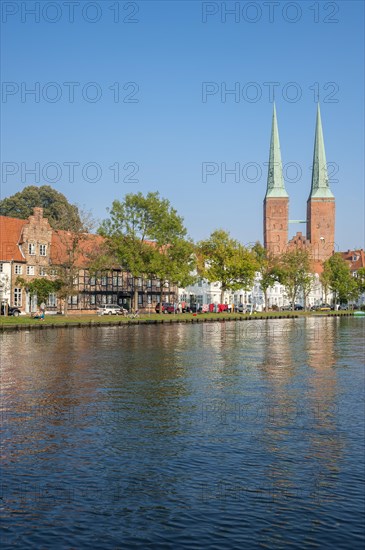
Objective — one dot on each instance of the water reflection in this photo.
(243, 434)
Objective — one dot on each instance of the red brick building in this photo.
(32, 249)
(320, 219)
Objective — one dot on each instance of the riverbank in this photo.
(53, 321)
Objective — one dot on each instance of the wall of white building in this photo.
(5, 279)
(206, 293)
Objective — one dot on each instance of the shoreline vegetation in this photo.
(55, 321)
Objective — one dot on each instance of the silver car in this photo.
(111, 309)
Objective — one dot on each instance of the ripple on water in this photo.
(185, 437)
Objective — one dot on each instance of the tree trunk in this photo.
(161, 297)
(266, 304)
(135, 297)
(222, 295)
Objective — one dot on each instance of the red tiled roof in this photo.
(10, 234)
(87, 246)
(357, 264)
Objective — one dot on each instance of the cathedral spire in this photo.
(320, 185)
(275, 180)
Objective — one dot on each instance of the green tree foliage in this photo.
(340, 280)
(295, 272)
(60, 213)
(146, 236)
(225, 260)
(41, 288)
(360, 279)
(268, 268)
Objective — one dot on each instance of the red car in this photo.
(166, 308)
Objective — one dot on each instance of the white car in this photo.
(111, 309)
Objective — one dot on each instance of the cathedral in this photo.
(320, 221)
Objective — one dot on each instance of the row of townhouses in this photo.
(31, 249)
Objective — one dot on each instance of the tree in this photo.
(268, 268)
(73, 250)
(307, 286)
(225, 260)
(360, 279)
(60, 213)
(337, 272)
(325, 282)
(41, 288)
(146, 236)
(294, 272)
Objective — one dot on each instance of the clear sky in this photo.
(141, 86)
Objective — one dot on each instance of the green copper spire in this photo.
(275, 180)
(320, 185)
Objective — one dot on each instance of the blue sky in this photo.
(158, 55)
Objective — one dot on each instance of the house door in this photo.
(31, 303)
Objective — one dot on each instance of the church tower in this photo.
(276, 202)
(321, 202)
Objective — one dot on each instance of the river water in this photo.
(221, 435)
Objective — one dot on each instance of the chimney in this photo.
(38, 212)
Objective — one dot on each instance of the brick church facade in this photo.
(319, 239)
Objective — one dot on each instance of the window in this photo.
(17, 297)
(30, 269)
(51, 300)
(92, 281)
(92, 299)
(42, 271)
(53, 272)
(74, 300)
(103, 299)
(1, 268)
(109, 299)
(139, 281)
(149, 299)
(43, 250)
(18, 270)
(149, 283)
(140, 299)
(115, 281)
(200, 282)
(103, 281)
(31, 249)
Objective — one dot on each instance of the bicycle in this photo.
(133, 315)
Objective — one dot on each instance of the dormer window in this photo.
(31, 249)
(355, 258)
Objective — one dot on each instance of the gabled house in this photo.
(32, 249)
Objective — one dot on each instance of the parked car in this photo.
(325, 307)
(298, 307)
(343, 307)
(12, 310)
(111, 309)
(166, 308)
(241, 308)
